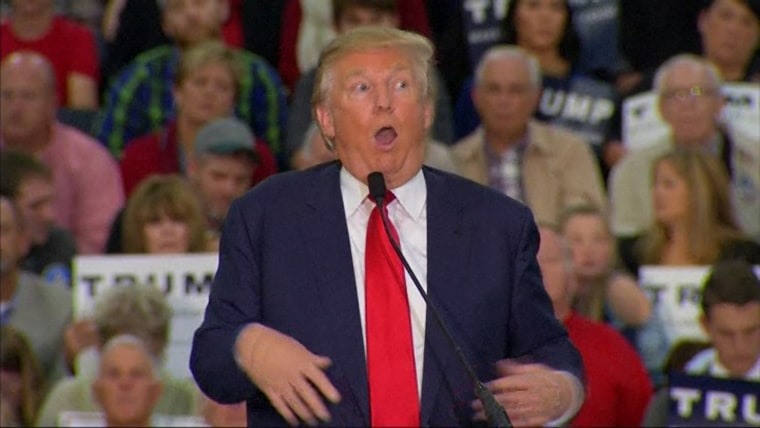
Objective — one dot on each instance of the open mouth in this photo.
(385, 136)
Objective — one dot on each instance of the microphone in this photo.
(495, 412)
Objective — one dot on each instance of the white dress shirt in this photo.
(408, 213)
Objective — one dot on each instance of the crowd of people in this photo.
(133, 127)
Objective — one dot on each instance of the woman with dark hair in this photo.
(545, 29)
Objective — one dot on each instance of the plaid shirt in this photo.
(139, 99)
(504, 169)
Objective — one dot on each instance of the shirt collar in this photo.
(412, 195)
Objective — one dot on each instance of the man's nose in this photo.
(383, 99)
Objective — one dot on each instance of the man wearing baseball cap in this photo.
(224, 157)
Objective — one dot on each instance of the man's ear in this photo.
(155, 391)
(705, 324)
(224, 12)
(701, 22)
(325, 121)
(97, 390)
(429, 114)
(192, 167)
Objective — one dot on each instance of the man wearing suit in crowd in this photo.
(288, 328)
(547, 168)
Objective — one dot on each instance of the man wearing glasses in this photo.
(690, 102)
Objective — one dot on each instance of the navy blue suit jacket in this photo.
(285, 261)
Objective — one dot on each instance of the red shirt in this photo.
(157, 153)
(232, 30)
(618, 388)
(69, 46)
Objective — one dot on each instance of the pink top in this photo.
(70, 47)
(88, 186)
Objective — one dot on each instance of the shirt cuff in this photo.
(575, 404)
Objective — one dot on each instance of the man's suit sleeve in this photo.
(233, 303)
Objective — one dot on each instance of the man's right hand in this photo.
(289, 374)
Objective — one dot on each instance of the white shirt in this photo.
(408, 213)
(706, 362)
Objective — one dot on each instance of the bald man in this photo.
(87, 179)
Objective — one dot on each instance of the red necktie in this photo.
(391, 369)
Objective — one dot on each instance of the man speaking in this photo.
(313, 319)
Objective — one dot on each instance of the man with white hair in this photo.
(547, 168)
(690, 102)
(127, 386)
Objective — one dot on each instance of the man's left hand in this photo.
(532, 394)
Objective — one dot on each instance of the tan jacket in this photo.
(558, 170)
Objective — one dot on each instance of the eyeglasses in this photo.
(684, 94)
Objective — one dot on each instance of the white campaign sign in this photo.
(643, 125)
(676, 294)
(185, 278)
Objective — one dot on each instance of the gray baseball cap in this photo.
(225, 136)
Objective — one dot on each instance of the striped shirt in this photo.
(139, 99)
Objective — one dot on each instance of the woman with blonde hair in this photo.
(694, 220)
(164, 216)
(605, 292)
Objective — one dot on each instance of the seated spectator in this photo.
(138, 310)
(730, 31)
(206, 84)
(731, 319)
(693, 220)
(539, 164)
(347, 15)
(139, 99)
(87, 179)
(617, 385)
(308, 26)
(68, 46)
(21, 380)
(314, 151)
(127, 387)
(29, 184)
(164, 216)
(38, 310)
(604, 292)
(690, 102)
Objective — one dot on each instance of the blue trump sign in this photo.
(711, 402)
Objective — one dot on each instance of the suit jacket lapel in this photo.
(326, 238)
(445, 272)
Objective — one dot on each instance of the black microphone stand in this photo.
(495, 412)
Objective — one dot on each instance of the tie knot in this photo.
(389, 197)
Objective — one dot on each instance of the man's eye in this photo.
(361, 87)
(403, 84)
